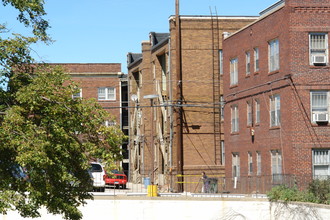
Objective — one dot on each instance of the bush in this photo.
(321, 190)
(284, 193)
(317, 192)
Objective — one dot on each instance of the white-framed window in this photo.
(321, 163)
(110, 123)
(256, 59)
(249, 113)
(233, 72)
(318, 48)
(258, 163)
(223, 160)
(319, 106)
(257, 111)
(222, 106)
(221, 62)
(276, 160)
(274, 55)
(247, 63)
(77, 95)
(235, 165)
(250, 163)
(234, 119)
(275, 110)
(106, 93)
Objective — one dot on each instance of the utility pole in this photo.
(179, 98)
(152, 142)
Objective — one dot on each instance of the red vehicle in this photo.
(119, 180)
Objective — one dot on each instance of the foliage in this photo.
(321, 191)
(317, 192)
(284, 193)
(31, 14)
(52, 136)
(47, 138)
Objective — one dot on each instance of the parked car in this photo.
(98, 175)
(118, 180)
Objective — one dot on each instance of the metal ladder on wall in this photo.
(216, 86)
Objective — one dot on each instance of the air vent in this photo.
(320, 117)
(319, 60)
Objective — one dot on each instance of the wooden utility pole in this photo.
(179, 113)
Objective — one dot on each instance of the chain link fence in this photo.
(243, 184)
(218, 184)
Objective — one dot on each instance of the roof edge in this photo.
(269, 11)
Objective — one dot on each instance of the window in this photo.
(318, 48)
(77, 95)
(110, 123)
(250, 163)
(247, 63)
(106, 93)
(319, 105)
(223, 152)
(249, 113)
(258, 163)
(276, 158)
(257, 111)
(274, 55)
(233, 72)
(321, 163)
(275, 113)
(235, 165)
(162, 61)
(234, 119)
(221, 62)
(154, 69)
(222, 106)
(256, 59)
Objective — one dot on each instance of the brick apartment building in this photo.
(153, 83)
(276, 86)
(105, 83)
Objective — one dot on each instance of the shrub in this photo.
(317, 192)
(284, 193)
(321, 190)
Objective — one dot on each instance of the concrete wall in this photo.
(191, 210)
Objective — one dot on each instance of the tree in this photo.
(47, 138)
(31, 15)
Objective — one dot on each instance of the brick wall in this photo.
(296, 136)
(198, 61)
(91, 76)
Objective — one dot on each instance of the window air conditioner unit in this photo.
(320, 117)
(319, 59)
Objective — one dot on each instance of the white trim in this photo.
(106, 92)
(326, 54)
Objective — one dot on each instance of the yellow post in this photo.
(152, 191)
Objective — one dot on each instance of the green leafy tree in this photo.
(47, 138)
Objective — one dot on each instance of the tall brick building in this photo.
(105, 83)
(153, 83)
(276, 85)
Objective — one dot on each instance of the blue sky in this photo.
(104, 31)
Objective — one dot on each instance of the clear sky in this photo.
(104, 31)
